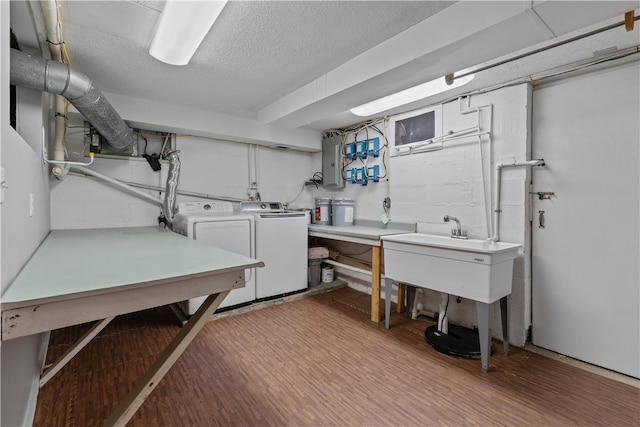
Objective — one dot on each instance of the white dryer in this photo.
(215, 223)
(281, 243)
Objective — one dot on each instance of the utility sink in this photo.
(478, 270)
(475, 269)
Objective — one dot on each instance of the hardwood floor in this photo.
(320, 361)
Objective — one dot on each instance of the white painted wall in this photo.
(20, 233)
(221, 168)
(217, 168)
(78, 202)
(426, 186)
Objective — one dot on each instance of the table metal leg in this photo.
(504, 314)
(161, 366)
(388, 286)
(483, 333)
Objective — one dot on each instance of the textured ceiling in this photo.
(256, 52)
(303, 64)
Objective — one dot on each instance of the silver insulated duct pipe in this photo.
(172, 186)
(55, 77)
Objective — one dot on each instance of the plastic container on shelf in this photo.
(314, 271)
(322, 213)
(342, 211)
(327, 273)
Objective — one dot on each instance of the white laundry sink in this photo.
(475, 269)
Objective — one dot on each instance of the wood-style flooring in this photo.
(320, 361)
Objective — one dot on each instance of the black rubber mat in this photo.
(459, 342)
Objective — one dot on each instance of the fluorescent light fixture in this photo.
(182, 27)
(407, 96)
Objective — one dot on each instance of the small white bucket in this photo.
(327, 274)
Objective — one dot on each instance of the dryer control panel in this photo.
(205, 207)
(258, 207)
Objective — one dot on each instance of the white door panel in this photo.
(585, 249)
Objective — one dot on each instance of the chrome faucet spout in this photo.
(448, 218)
(457, 232)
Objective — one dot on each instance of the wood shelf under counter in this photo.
(367, 232)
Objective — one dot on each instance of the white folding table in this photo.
(78, 276)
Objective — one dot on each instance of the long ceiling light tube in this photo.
(181, 29)
(407, 96)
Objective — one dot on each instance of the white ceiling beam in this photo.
(151, 115)
(454, 39)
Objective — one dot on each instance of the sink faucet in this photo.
(457, 232)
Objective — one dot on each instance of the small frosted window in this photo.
(415, 129)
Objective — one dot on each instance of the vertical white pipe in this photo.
(443, 323)
(252, 170)
(52, 24)
(484, 189)
(478, 111)
(496, 209)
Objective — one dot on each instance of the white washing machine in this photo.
(281, 243)
(217, 224)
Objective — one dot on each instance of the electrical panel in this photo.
(362, 160)
(332, 162)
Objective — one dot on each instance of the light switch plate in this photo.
(3, 185)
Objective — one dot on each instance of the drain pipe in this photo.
(497, 210)
(54, 39)
(55, 77)
(489, 133)
(169, 202)
(141, 194)
(172, 186)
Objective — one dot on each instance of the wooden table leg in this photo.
(161, 366)
(75, 349)
(402, 289)
(376, 271)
